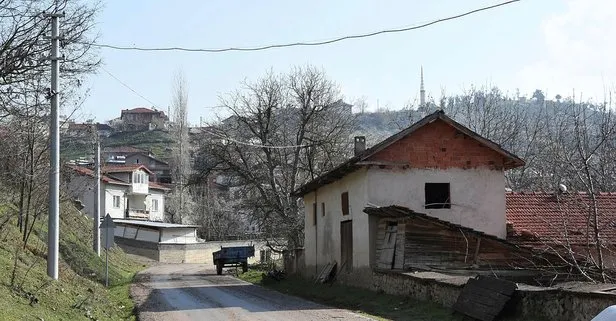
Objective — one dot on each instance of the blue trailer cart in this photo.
(233, 256)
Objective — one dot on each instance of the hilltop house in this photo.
(142, 119)
(428, 195)
(126, 192)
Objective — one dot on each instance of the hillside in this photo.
(79, 293)
(156, 141)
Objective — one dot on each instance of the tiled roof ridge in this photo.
(554, 193)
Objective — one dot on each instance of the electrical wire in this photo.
(304, 44)
(127, 86)
(205, 130)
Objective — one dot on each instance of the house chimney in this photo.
(360, 144)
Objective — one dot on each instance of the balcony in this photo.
(139, 214)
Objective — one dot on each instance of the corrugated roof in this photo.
(353, 164)
(540, 218)
(154, 224)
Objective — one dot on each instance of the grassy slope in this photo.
(154, 140)
(78, 295)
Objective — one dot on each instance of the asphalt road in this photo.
(182, 292)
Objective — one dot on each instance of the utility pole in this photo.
(97, 195)
(53, 234)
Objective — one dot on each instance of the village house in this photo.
(142, 119)
(126, 192)
(72, 129)
(436, 186)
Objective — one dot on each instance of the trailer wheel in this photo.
(219, 268)
(244, 267)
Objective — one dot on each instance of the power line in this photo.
(254, 145)
(298, 44)
(128, 87)
(208, 131)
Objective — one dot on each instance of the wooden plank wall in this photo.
(429, 244)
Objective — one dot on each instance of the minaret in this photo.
(422, 92)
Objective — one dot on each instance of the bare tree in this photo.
(180, 205)
(284, 130)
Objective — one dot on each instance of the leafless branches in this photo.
(284, 129)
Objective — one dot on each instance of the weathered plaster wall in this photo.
(322, 242)
(477, 194)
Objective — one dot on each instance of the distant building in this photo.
(72, 129)
(128, 155)
(142, 119)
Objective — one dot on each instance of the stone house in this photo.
(436, 167)
(143, 119)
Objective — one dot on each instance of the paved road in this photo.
(194, 292)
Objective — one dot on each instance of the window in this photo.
(437, 195)
(116, 201)
(344, 200)
(154, 205)
(140, 178)
(322, 209)
(314, 213)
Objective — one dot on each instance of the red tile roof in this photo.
(141, 110)
(535, 219)
(124, 168)
(88, 172)
(124, 149)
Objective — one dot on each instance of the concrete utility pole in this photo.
(53, 234)
(97, 195)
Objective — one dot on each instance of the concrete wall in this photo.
(528, 303)
(477, 194)
(82, 188)
(185, 253)
(179, 235)
(156, 195)
(322, 242)
(110, 191)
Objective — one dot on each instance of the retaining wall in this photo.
(574, 302)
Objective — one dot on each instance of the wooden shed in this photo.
(407, 240)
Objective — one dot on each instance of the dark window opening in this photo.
(437, 195)
(322, 209)
(344, 200)
(314, 213)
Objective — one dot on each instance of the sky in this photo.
(555, 45)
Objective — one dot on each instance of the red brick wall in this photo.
(438, 145)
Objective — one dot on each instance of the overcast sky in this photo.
(553, 45)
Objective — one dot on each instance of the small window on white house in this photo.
(116, 201)
(154, 205)
(437, 195)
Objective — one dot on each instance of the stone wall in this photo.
(578, 302)
(141, 248)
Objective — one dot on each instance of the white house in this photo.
(436, 167)
(126, 192)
